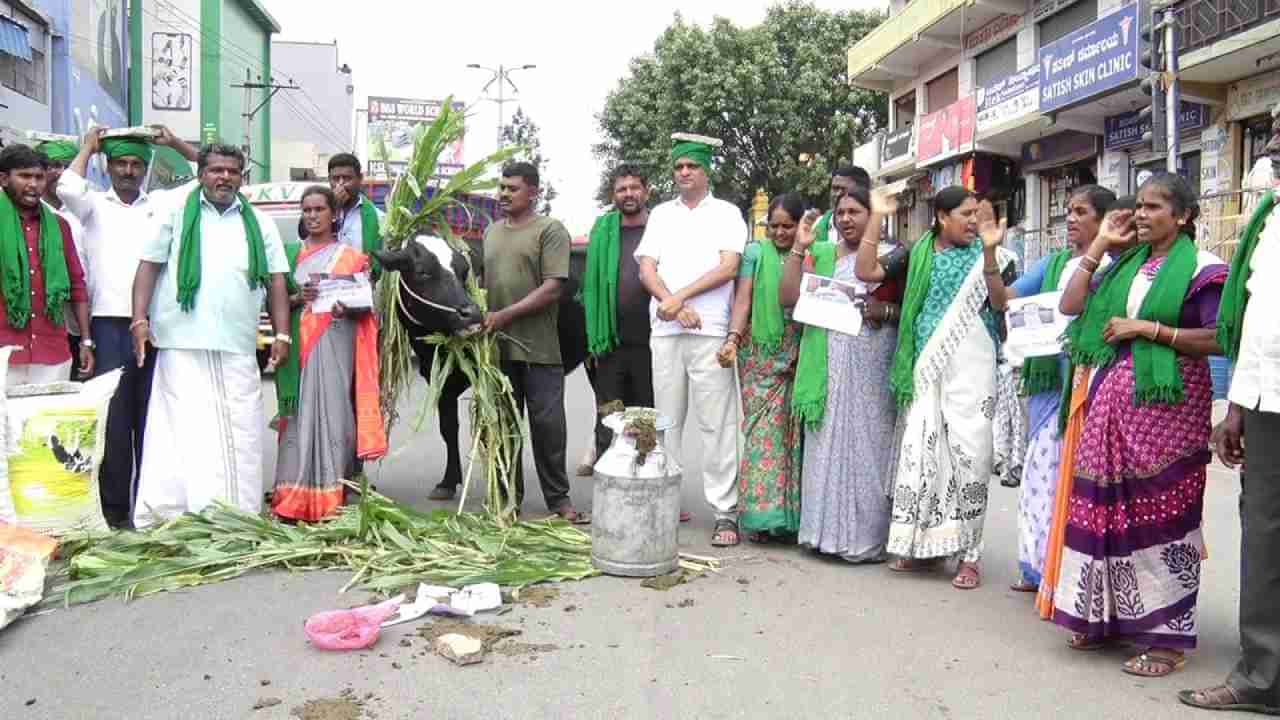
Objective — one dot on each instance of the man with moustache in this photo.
(616, 302)
(526, 262)
(40, 275)
(1249, 333)
(58, 154)
(203, 273)
(359, 222)
(115, 224)
(688, 260)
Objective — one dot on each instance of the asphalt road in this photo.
(779, 632)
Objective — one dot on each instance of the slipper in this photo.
(574, 517)
(685, 517)
(723, 527)
(911, 565)
(968, 577)
(1164, 665)
(1222, 697)
(1083, 643)
(1024, 587)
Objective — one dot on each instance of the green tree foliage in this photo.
(523, 131)
(774, 93)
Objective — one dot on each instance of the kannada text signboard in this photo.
(1098, 57)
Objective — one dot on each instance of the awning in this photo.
(917, 37)
(14, 39)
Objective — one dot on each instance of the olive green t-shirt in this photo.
(516, 262)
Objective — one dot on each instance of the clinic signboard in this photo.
(1097, 58)
(1009, 99)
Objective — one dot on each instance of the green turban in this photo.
(695, 151)
(62, 150)
(120, 147)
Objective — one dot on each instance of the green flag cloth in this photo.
(1155, 365)
(58, 150)
(1235, 294)
(370, 233)
(600, 283)
(919, 271)
(767, 322)
(1043, 374)
(822, 228)
(289, 374)
(121, 147)
(189, 255)
(15, 271)
(809, 393)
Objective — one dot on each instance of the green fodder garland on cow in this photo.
(495, 420)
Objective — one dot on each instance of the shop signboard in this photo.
(1215, 165)
(897, 146)
(993, 33)
(1009, 99)
(392, 121)
(1127, 129)
(1254, 96)
(948, 130)
(1060, 149)
(1042, 9)
(1099, 57)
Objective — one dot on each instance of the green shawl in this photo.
(767, 322)
(189, 255)
(822, 228)
(289, 374)
(809, 392)
(1155, 366)
(919, 270)
(600, 283)
(1043, 374)
(370, 233)
(15, 272)
(58, 150)
(1235, 294)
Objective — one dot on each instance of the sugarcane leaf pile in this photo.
(495, 419)
(385, 544)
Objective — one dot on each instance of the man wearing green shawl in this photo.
(115, 223)
(844, 179)
(688, 260)
(360, 223)
(1249, 333)
(616, 303)
(40, 275)
(203, 274)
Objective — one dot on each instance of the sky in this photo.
(420, 49)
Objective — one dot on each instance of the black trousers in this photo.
(1256, 678)
(625, 374)
(540, 388)
(126, 415)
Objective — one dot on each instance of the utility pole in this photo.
(1173, 98)
(249, 86)
(502, 76)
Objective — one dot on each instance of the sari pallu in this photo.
(337, 418)
(946, 449)
(1132, 543)
(769, 474)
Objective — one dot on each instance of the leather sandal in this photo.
(1157, 664)
(1222, 697)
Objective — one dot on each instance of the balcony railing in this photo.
(1204, 22)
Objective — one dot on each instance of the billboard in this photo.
(391, 134)
(947, 131)
(1097, 58)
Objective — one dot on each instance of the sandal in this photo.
(1154, 664)
(1222, 697)
(573, 516)
(912, 565)
(725, 533)
(968, 577)
(1022, 586)
(1080, 641)
(442, 492)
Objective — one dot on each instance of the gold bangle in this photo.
(1174, 339)
(1095, 264)
(1155, 336)
(798, 253)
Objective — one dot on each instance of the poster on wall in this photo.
(1098, 57)
(101, 51)
(1009, 99)
(171, 58)
(1214, 177)
(948, 130)
(391, 135)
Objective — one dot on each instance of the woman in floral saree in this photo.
(328, 389)
(1130, 567)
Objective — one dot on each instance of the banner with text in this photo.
(1127, 129)
(1009, 99)
(1098, 57)
(948, 130)
(391, 135)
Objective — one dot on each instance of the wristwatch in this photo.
(88, 342)
(281, 337)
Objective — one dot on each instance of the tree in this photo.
(523, 131)
(774, 93)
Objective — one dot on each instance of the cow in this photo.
(434, 299)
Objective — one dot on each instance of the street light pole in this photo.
(502, 76)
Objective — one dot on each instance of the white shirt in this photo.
(225, 315)
(687, 242)
(111, 241)
(77, 237)
(1255, 383)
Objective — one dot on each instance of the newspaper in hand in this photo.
(831, 304)
(353, 291)
(1036, 326)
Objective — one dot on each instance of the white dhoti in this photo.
(685, 362)
(204, 435)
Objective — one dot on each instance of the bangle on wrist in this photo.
(799, 253)
(991, 271)
(1155, 336)
(281, 337)
(1174, 339)
(139, 323)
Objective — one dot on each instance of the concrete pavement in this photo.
(779, 632)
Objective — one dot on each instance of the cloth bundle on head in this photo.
(58, 150)
(697, 148)
(125, 146)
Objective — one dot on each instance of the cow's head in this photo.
(431, 270)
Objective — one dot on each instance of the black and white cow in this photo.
(434, 299)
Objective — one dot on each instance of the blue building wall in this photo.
(89, 63)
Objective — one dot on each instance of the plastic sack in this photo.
(24, 556)
(7, 512)
(353, 629)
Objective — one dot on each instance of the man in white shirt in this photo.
(59, 153)
(203, 274)
(115, 224)
(1249, 332)
(688, 259)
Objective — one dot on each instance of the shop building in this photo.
(25, 41)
